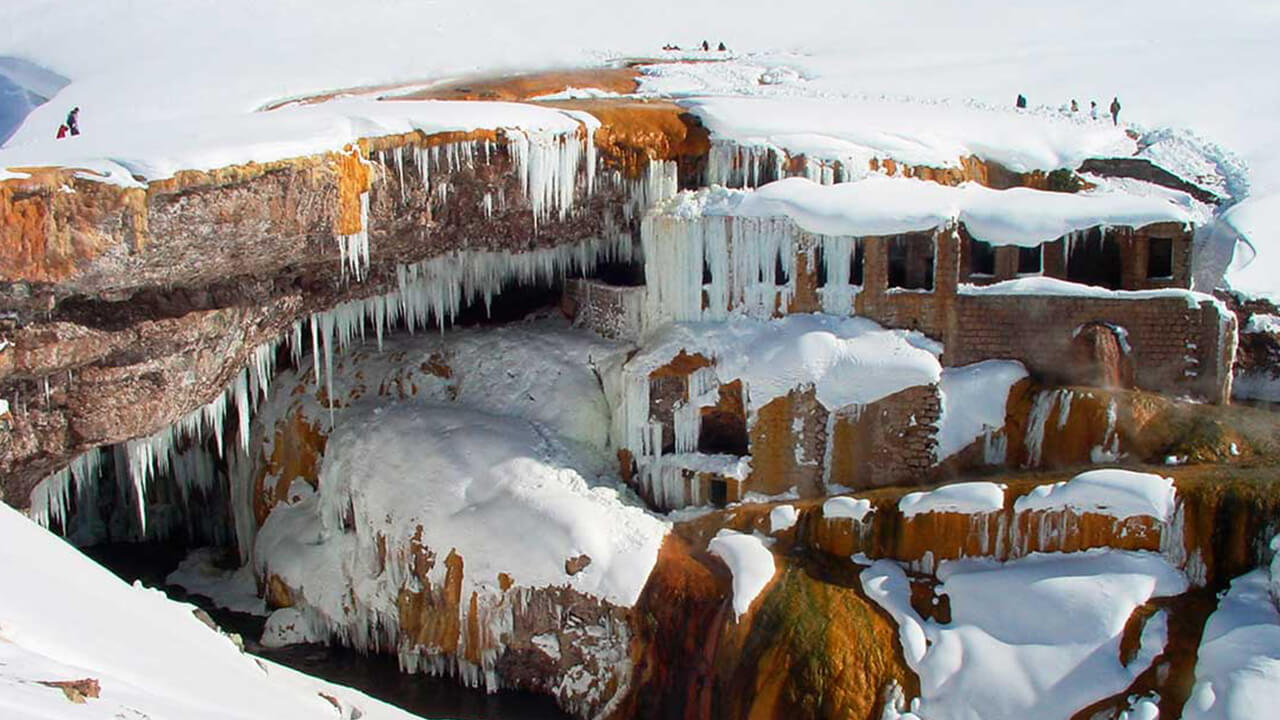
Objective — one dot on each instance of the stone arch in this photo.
(1100, 356)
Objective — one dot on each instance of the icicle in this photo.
(50, 498)
(547, 164)
(353, 249)
(399, 156)
(839, 292)
(688, 422)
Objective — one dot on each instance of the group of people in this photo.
(71, 126)
(706, 47)
(1021, 104)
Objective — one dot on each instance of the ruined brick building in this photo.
(1106, 302)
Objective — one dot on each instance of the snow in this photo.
(751, 563)
(782, 518)
(973, 402)
(1038, 285)
(1255, 385)
(234, 590)
(968, 498)
(1118, 493)
(855, 509)
(1256, 263)
(62, 617)
(854, 130)
(877, 206)
(1238, 663)
(1034, 637)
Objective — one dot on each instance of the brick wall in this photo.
(611, 311)
(1176, 348)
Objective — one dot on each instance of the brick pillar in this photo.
(1055, 259)
(875, 267)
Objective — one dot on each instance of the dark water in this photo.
(377, 676)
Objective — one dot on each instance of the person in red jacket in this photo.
(62, 131)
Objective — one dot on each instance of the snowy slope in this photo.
(62, 617)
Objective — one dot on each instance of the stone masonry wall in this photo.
(890, 442)
(611, 311)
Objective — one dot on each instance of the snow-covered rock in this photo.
(973, 402)
(751, 562)
(1035, 637)
(966, 497)
(1119, 493)
(464, 501)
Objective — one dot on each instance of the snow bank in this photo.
(488, 443)
(62, 617)
(1035, 637)
(847, 507)
(877, 206)
(969, 498)
(1238, 664)
(1119, 493)
(751, 563)
(973, 402)
(854, 130)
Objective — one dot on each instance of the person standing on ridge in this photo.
(1115, 111)
(1093, 109)
(73, 121)
(1021, 102)
(722, 48)
(62, 131)
(706, 46)
(1075, 106)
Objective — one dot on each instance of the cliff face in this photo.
(130, 307)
